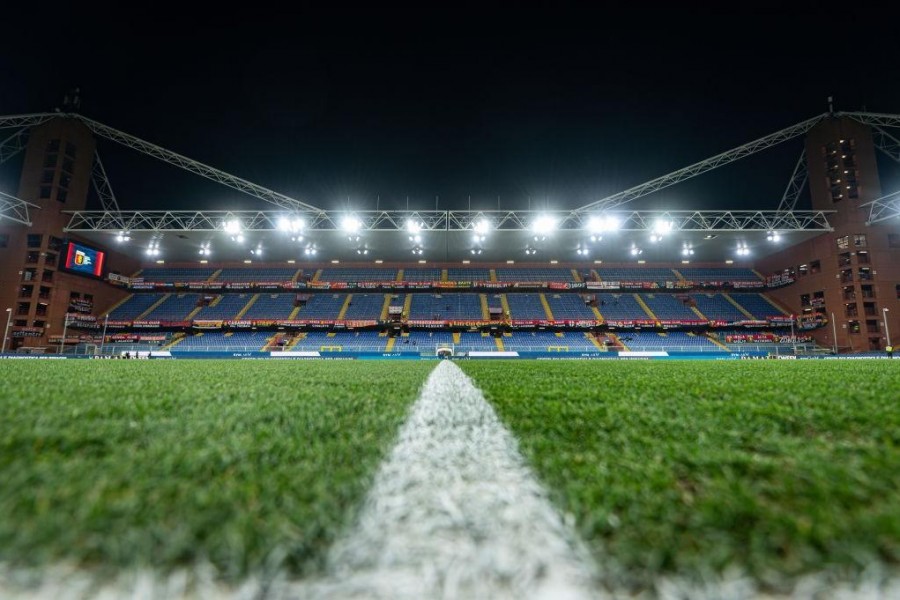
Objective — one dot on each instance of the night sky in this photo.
(556, 104)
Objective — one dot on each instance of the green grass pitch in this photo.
(778, 468)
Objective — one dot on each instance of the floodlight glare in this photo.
(233, 226)
(662, 227)
(603, 224)
(482, 227)
(544, 224)
(413, 226)
(351, 224)
(291, 225)
(773, 236)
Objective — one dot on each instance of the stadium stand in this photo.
(364, 307)
(616, 307)
(756, 305)
(534, 274)
(322, 306)
(358, 274)
(180, 274)
(724, 274)
(359, 341)
(717, 308)
(445, 306)
(421, 274)
(175, 308)
(271, 306)
(268, 274)
(526, 307)
(669, 307)
(133, 307)
(651, 274)
(569, 307)
(244, 341)
(673, 341)
(469, 274)
(542, 341)
(226, 306)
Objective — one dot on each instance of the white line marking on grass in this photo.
(454, 512)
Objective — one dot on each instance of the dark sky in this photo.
(554, 102)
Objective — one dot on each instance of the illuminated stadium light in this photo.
(416, 238)
(205, 249)
(530, 250)
(582, 250)
(362, 251)
(482, 228)
(742, 249)
(729, 262)
(597, 224)
(544, 225)
(310, 250)
(413, 227)
(687, 249)
(655, 238)
(475, 251)
(291, 225)
(233, 227)
(153, 248)
(596, 238)
(418, 250)
(257, 251)
(635, 251)
(123, 236)
(351, 224)
(296, 238)
(773, 236)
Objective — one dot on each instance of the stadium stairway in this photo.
(617, 341)
(389, 347)
(247, 306)
(118, 304)
(176, 339)
(346, 305)
(456, 337)
(407, 305)
(678, 275)
(758, 274)
(743, 310)
(399, 276)
(644, 306)
(214, 275)
(444, 275)
(293, 314)
(294, 341)
(778, 306)
(317, 275)
(498, 342)
(503, 303)
(296, 275)
(153, 307)
(596, 312)
(595, 275)
(214, 302)
(717, 343)
(485, 312)
(697, 312)
(493, 275)
(593, 339)
(575, 275)
(384, 307)
(546, 305)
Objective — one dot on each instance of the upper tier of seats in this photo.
(445, 307)
(615, 307)
(174, 308)
(468, 274)
(569, 307)
(177, 274)
(723, 274)
(226, 306)
(635, 274)
(358, 274)
(134, 306)
(267, 274)
(534, 274)
(271, 306)
(717, 307)
(417, 274)
(526, 307)
(757, 305)
(673, 340)
(364, 307)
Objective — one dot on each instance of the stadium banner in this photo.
(748, 323)
(207, 324)
(116, 278)
(780, 320)
(559, 285)
(776, 281)
(368, 285)
(76, 316)
(262, 322)
(237, 324)
(467, 323)
(742, 285)
(639, 285)
(141, 285)
(117, 324)
(529, 284)
(681, 322)
(449, 284)
(423, 285)
(426, 323)
(269, 285)
(145, 324)
(81, 306)
(679, 285)
(237, 285)
(492, 285)
(603, 285)
(27, 332)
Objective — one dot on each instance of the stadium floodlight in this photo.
(205, 249)
(291, 225)
(482, 228)
(544, 225)
(687, 249)
(476, 251)
(530, 250)
(257, 251)
(581, 250)
(418, 250)
(351, 224)
(413, 227)
(773, 236)
(232, 226)
(661, 227)
(742, 249)
(124, 236)
(597, 224)
(310, 250)
(635, 251)
(416, 239)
